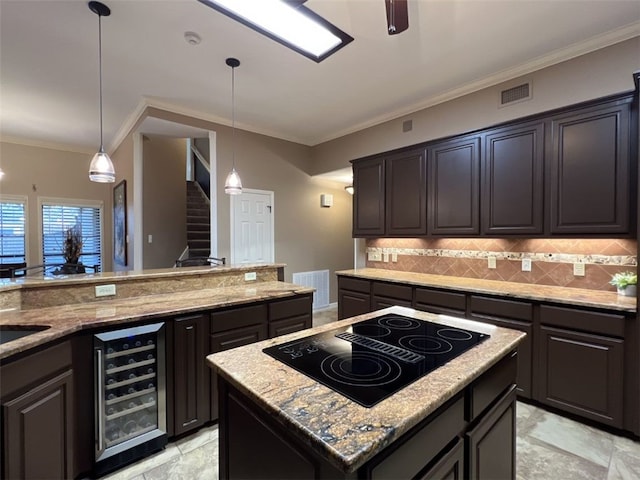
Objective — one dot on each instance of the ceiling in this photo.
(49, 63)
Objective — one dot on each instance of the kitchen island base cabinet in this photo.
(255, 445)
(39, 425)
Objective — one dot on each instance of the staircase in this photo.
(198, 222)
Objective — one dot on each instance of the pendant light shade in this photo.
(101, 168)
(233, 184)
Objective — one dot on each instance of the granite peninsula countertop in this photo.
(342, 431)
(545, 293)
(67, 319)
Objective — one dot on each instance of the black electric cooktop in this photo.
(371, 360)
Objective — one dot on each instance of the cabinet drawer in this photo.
(237, 337)
(440, 301)
(501, 308)
(422, 445)
(391, 290)
(498, 379)
(354, 284)
(290, 307)
(449, 467)
(238, 317)
(289, 325)
(585, 320)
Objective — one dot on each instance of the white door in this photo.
(252, 227)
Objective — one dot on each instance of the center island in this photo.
(456, 421)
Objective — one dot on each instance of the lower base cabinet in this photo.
(471, 436)
(38, 417)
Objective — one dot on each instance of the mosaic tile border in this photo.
(594, 259)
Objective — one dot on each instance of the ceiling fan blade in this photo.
(397, 16)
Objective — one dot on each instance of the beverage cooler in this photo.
(130, 395)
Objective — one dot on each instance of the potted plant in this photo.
(71, 250)
(626, 283)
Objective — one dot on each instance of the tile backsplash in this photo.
(551, 259)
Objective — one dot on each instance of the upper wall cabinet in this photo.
(513, 181)
(454, 181)
(369, 198)
(590, 173)
(406, 194)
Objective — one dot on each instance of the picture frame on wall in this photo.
(120, 223)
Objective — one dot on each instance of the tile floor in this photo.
(549, 447)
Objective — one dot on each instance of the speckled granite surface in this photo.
(67, 319)
(342, 431)
(565, 295)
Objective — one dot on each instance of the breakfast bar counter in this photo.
(273, 413)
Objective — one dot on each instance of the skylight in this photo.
(296, 27)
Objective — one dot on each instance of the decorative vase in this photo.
(628, 291)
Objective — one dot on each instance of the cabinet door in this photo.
(39, 431)
(191, 376)
(491, 443)
(368, 198)
(510, 314)
(449, 467)
(582, 373)
(352, 303)
(590, 184)
(406, 194)
(513, 182)
(454, 181)
(226, 341)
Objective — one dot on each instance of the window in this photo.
(59, 216)
(12, 230)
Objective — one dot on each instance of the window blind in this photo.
(12, 232)
(56, 219)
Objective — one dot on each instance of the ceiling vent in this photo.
(519, 93)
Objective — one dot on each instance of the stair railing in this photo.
(201, 171)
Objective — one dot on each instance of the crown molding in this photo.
(63, 147)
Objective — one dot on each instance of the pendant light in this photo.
(101, 168)
(233, 184)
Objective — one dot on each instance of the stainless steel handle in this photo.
(100, 383)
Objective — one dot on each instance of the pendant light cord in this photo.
(100, 73)
(233, 116)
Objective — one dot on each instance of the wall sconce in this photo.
(349, 189)
(326, 200)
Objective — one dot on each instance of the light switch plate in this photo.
(374, 256)
(385, 257)
(394, 257)
(491, 262)
(578, 269)
(526, 264)
(105, 290)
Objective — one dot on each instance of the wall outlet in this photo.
(491, 262)
(394, 257)
(578, 269)
(250, 276)
(526, 264)
(105, 290)
(150, 238)
(385, 257)
(374, 256)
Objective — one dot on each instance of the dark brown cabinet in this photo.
(369, 198)
(354, 297)
(449, 467)
(491, 443)
(582, 363)
(289, 315)
(406, 194)
(231, 328)
(385, 295)
(590, 170)
(454, 187)
(190, 374)
(513, 314)
(440, 301)
(512, 180)
(38, 415)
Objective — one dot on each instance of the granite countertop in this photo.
(546, 293)
(340, 430)
(67, 319)
(7, 284)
